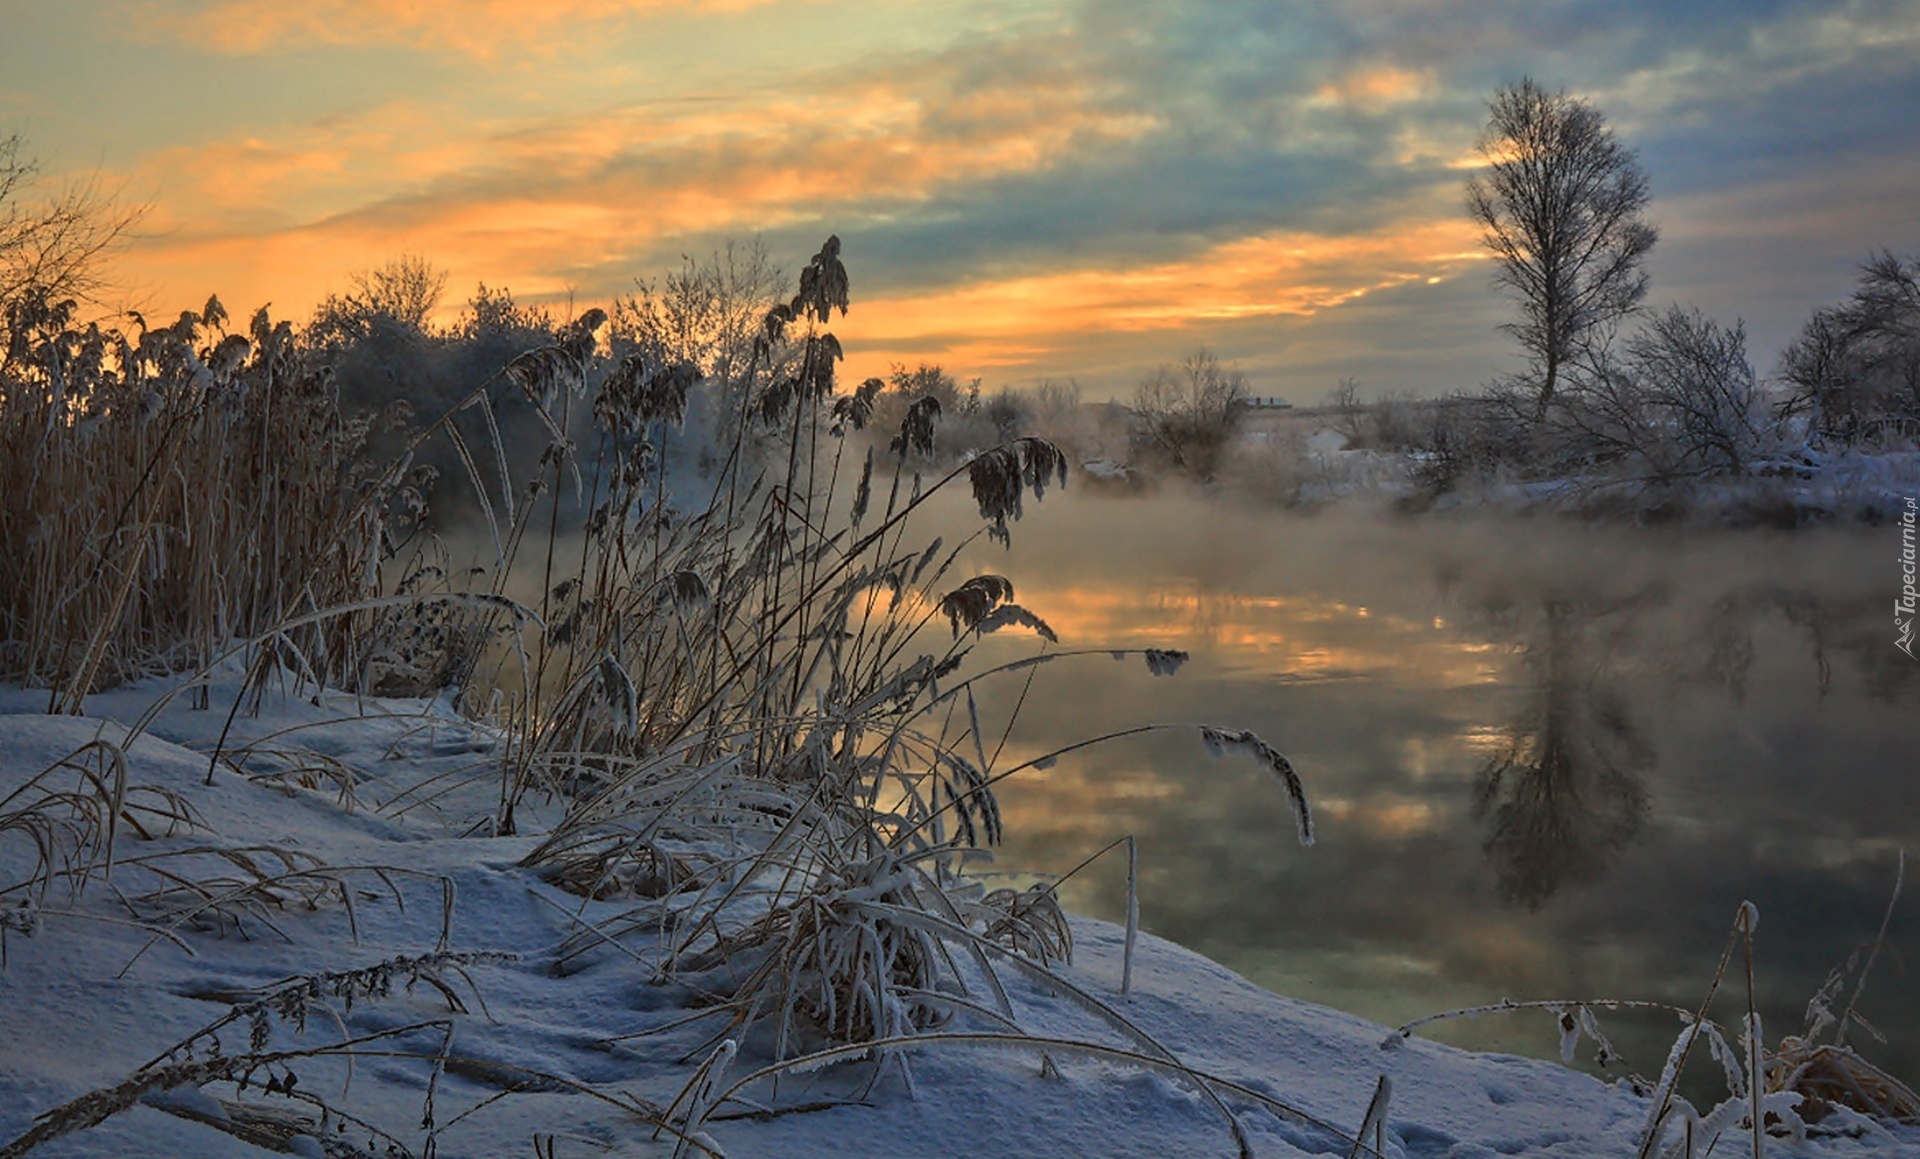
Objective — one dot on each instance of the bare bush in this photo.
(1053, 399)
(1057, 412)
(51, 241)
(399, 296)
(1703, 391)
(381, 348)
(1855, 369)
(1471, 437)
(1399, 422)
(1187, 412)
(968, 423)
(1681, 402)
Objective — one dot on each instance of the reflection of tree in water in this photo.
(1726, 633)
(1854, 628)
(1564, 797)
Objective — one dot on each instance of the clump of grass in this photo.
(1029, 922)
(73, 830)
(213, 888)
(435, 642)
(291, 768)
(763, 739)
(844, 961)
(75, 834)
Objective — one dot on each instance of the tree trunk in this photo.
(1546, 390)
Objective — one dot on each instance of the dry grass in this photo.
(215, 1056)
(165, 492)
(73, 829)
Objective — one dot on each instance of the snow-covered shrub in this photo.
(1679, 401)
(1704, 414)
(1855, 368)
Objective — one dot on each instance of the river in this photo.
(1547, 760)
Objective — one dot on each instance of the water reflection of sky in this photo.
(1678, 720)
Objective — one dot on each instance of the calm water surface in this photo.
(1547, 761)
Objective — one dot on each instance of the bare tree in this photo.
(1855, 369)
(1561, 207)
(1187, 412)
(51, 240)
(706, 314)
(1347, 408)
(1052, 396)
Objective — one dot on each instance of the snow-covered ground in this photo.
(1808, 486)
(346, 850)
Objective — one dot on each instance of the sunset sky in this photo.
(1031, 188)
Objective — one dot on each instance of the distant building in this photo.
(1264, 402)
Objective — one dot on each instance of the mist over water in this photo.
(1547, 760)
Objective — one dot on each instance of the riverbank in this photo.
(1313, 459)
(483, 1022)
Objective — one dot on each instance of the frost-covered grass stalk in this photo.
(217, 1057)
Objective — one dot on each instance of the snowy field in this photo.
(393, 986)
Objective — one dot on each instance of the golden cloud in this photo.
(1004, 322)
(1374, 88)
(555, 207)
(480, 28)
(541, 205)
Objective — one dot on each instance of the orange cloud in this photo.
(1374, 88)
(545, 205)
(579, 205)
(1004, 322)
(481, 28)
(251, 182)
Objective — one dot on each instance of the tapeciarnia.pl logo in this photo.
(1904, 607)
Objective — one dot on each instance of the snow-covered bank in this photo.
(345, 850)
(1315, 466)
